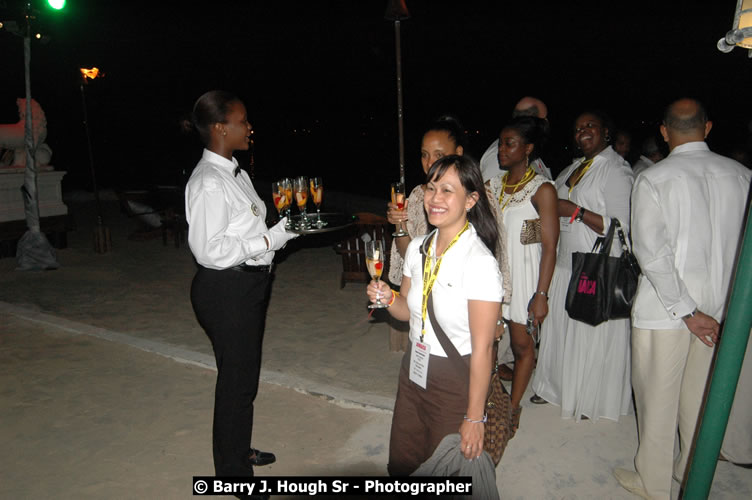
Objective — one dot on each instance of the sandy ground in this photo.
(106, 382)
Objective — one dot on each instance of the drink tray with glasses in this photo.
(332, 221)
(299, 190)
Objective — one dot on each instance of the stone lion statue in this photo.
(12, 151)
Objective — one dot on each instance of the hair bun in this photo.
(186, 126)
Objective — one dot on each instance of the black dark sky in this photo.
(318, 77)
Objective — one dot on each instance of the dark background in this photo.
(318, 78)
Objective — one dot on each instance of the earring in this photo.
(224, 133)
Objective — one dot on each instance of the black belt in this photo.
(245, 268)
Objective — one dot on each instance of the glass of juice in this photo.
(317, 193)
(375, 264)
(398, 198)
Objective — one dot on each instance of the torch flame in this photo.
(90, 73)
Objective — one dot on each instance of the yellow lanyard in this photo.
(573, 183)
(430, 273)
(529, 174)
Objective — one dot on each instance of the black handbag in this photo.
(603, 287)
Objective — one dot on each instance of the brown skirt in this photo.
(422, 417)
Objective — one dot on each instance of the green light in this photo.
(56, 4)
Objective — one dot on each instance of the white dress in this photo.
(524, 260)
(586, 369)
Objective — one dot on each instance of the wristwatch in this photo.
(690, 315)
(580, 214)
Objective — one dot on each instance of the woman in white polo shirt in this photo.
(460, 277)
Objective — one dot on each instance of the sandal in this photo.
(516, 412)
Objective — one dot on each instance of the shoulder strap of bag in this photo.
(603, 243)
(451, 351)
(622, 238)
(626, 253)
(462, 367)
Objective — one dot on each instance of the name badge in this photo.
(419, 356)
(564, 225)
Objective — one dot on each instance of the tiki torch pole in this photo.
(396, 10)
(102, 239)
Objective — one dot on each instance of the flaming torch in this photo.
(102, 239)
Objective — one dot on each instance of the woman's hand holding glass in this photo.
(399, 200)
(379, 291)
(395, 215)
(375, 264)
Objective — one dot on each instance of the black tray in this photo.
(335, 221)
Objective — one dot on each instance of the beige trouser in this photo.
(669, 373)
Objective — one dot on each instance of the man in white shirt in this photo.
(489, 162)
(687, 215)
(650, 155)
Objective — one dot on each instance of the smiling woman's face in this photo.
(446, 202)
(590, 134)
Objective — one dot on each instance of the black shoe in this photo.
(537, 400)
(258, 458)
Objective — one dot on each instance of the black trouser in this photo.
(231, 308)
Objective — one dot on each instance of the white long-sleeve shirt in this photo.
(226, 217)
(687, 215)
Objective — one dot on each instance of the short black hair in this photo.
(452, 126)
(532, 130)
(685, 124)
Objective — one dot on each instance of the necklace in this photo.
(585, 165)
(529, 174)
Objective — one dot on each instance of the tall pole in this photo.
(102, 238)
(400, 122)
(728, 365)
(31, 198)
(396, 10)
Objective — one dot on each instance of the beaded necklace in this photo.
(529, 174)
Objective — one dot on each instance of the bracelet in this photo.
(574, 214)
(483, 421)
(394, 296)
(541, 292)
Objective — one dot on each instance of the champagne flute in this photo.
(375, 264)
(300, 188)
(398, 198)
(317, 193)
(288, 192)
(279, 195)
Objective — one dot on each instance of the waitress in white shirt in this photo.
(461, 279)
(234, 251)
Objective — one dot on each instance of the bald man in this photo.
(687, 216)
(489, 162)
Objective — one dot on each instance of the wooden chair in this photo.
(352, 247)
(156, 213)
